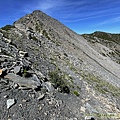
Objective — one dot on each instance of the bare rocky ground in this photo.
(48, 72)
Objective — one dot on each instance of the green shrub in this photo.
(7, 27)
(76, 93)
(45, 34)
(34, 38)
(58, 81)
(26, 73)
(102, 86)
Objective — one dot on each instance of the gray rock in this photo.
(23, 54)
(24, 83)
(3, 72)
(41, 96)
(26, 62)
(5, 96)
(35, 78)
(17, 69)
(1, 35)
(10, 102)
(49, 86)
(15, 86)
(90, 108)
(90, 118)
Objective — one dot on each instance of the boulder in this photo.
(24, 83)
(10, 102)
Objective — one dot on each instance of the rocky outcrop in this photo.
(49, 72)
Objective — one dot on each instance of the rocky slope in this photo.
(106, 44)
(48, 72)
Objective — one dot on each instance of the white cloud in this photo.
(113, 20)
(45, 5)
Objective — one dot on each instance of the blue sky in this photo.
(82, 16)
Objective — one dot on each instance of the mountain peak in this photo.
(65, 71)
(37, 11)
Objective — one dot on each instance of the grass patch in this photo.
(76, 93)
(102, 86)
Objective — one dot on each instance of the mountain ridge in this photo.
(60, 60)
(64, 31)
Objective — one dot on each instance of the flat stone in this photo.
(90, 108)
(26, 83)
(17, 69)
(10, 102)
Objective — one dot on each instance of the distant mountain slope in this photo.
(106, 36)
(77, 76)
(109, 40)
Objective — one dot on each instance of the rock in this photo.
(82, 109)
(40, 108)
(5, 96)
(8, 40)
(24, 83)
(0, 72)
(73, 119)
(41, 96)
(24, 100)
(35, 78)
(1, 35)
(90, 118)
(49, 86)
(3, 72)
(90, 108)
(40, 74)
(26, 62)
(17, 69)
(15, 86)
(10, 102)
(9, 119)
(23, 54)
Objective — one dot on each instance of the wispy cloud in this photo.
(113, 20)
(74, 9)
(44, 5)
